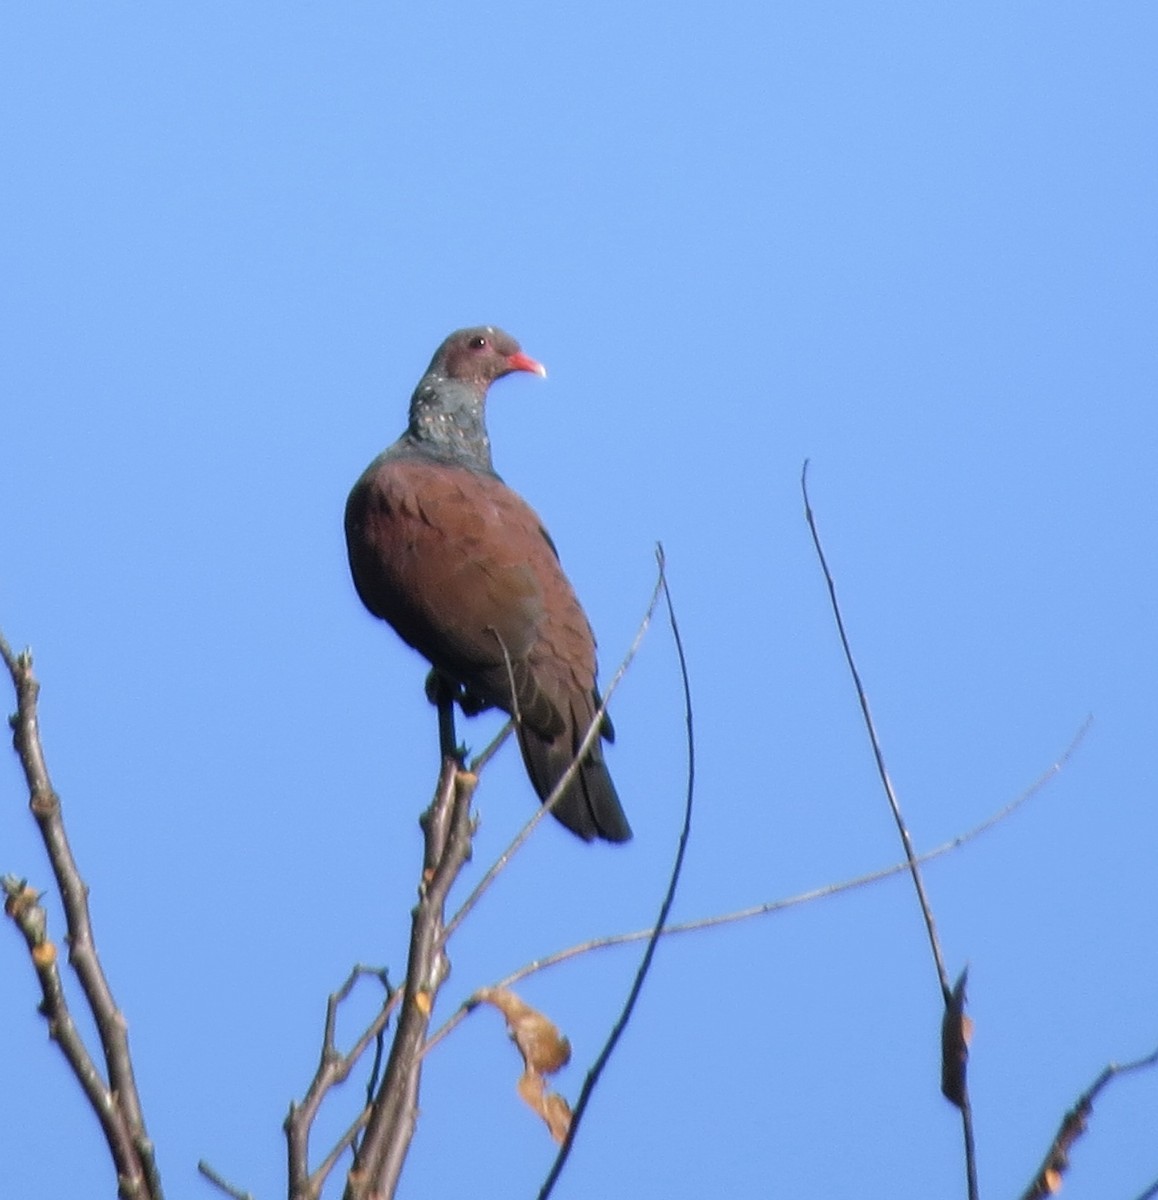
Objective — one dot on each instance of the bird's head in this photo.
(480, 355)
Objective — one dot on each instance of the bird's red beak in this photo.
(523, 362)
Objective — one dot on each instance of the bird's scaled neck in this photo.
(447, 421)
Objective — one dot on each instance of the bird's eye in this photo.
(478, 342)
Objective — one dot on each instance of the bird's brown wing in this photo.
(461, 567)
(455, 561)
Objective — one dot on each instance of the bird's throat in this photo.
(447, 421)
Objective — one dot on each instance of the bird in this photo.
(462, 568)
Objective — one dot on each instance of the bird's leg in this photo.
(442, 693)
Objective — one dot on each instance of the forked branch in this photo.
(113, 1096)
(394, 1111)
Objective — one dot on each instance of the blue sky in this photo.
(916, 246)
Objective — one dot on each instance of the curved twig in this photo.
(874, 741)
(596, 1071)
(955, 1024)
(771, 906)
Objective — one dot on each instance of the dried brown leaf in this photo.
(557, 1114)
(956, 1033)
(1057, 1160)
(544, 1049)
(554, 1110)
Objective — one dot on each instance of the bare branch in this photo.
(390, 1126)
(1056, 1162)
(118, 1105)
(23, 906)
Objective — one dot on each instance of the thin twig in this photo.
(952, 1000)
(348, 1140)
(771, 906)
(516, 715)
(221, 1183)
(597, 1068)
(1150, 1192)
(1049, 1175)
(874, 740)
(480, 760)
(593, 733)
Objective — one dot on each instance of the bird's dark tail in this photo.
(590, 806)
